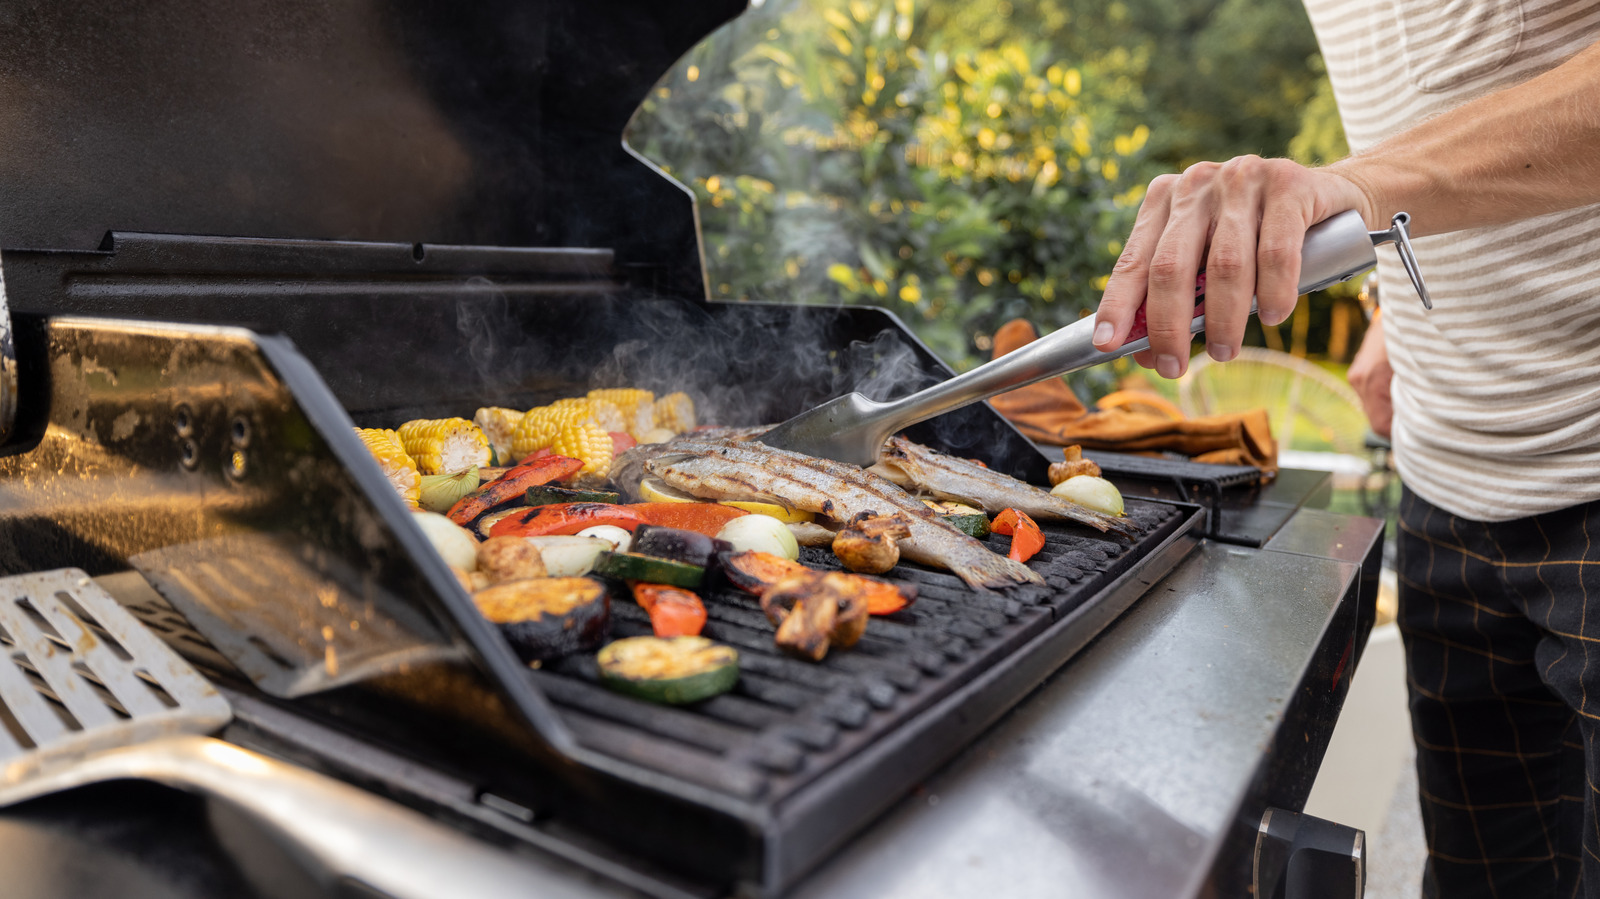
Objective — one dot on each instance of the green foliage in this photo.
(857, 160)
(965, 163)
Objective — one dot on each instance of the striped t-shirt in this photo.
(1497, 390)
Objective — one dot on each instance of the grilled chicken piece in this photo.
(914, 466)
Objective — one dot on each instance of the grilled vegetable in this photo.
(539, 427)
(1072, 465)
(440, 492)
(587, 442)
(974, 525)
(654, 490)
(691, 547)
(568, 556)
(656, 435)
(867, 544)
(444, 445)
(754, 572)
(486, 522)
(512, 486)
(617, 538)
(1090, 492)
(399, 468)
(498, 424)
(1026, 538)
(621, 442)
(674, 612)
(637, 407)
(761, 533)
(565, 518)
(757, 572)
(815, 612)
(452, 542)
(544, 495)
(634, 567)
(673, 670)
(702, 518)
(675, 412)
(547, 618)
(509, 559)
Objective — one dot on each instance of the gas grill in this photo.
(202, 308)
(235, 486)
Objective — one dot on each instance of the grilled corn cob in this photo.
(638, 407)
(498, 424)
(584, 440)
(444, 445)
(398, 467)
(675, 412)
(539, 426)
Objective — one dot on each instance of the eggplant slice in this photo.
(547, 618)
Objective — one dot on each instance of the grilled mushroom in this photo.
(867, 544)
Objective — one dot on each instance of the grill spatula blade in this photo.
(78, 674)
(852, 428)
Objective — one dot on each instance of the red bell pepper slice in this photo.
(1026, 538)
(512, 485)
(565, 519)
(674, 611)
(702, 518)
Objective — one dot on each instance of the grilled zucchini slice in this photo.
(671, 670)
(635, 567)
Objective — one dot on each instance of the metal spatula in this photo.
(88, 695)
(852, 428)
(80, 674)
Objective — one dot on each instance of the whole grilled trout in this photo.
(722, 469)
(917, 467)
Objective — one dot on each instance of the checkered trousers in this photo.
(1501, 623)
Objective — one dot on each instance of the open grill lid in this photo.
(491, 123)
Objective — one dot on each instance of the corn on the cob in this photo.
(584, 440)
(638, 407)
(606, 414)
(398, 467)
(539, 426)
(498, 424)
(675, 412)
(444, 445)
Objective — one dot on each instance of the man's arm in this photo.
(1521, 152)
(1371, 375)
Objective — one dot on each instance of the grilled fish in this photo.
(917, 467)
(724, 469)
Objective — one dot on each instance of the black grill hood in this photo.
(493, 122)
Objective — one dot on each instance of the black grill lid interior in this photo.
(496, 122)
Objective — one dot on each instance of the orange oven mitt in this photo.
(1049, 412)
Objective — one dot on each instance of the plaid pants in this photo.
(1500, 656)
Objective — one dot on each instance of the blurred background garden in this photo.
(966, 163)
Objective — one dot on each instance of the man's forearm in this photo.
(1524, 151)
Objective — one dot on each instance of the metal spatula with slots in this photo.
(852, 428)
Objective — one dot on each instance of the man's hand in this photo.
(1371, 375)
(1243, 222)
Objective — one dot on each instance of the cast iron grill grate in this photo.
(788, 720)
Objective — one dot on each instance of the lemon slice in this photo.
(654, 490)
